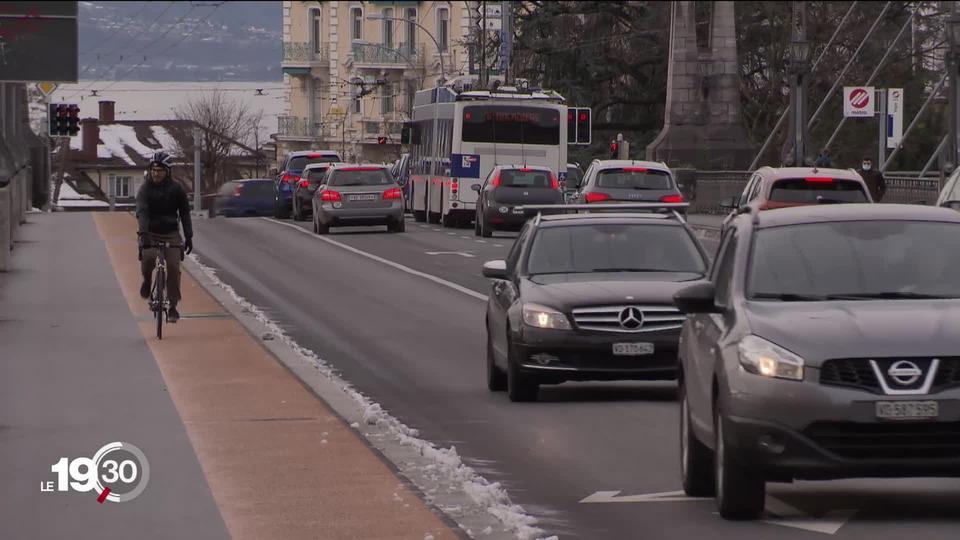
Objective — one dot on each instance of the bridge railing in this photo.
(705, 189)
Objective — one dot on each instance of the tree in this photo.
(226, 125)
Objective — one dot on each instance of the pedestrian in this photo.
(823, 160)
(874, 179)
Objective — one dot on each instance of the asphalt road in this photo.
(417, 347)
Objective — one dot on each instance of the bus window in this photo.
(508, 124)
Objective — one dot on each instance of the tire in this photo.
(401, 225)
(476, 226)
(314, 224)
(323, 229)
(448, 221)
(520, 387)
(485, 230)
(496, 378)
(696, 460)
(740, 491)
(161, 280)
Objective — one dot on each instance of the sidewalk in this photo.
(237, 446)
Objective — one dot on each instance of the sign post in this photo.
(894, 117)
(882, 128)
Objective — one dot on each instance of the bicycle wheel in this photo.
(159, 300)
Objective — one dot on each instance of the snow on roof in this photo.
(70, 197)
(119, 137)
(76, 143)
(166, 140)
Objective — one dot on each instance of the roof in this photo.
(130, 144)
(610, 163)
(299, 153)
(854, 212)
(776, 173)
(324, 165)
(559, 220)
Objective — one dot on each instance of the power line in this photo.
(130, 21)
(94, 62)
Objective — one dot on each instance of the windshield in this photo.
(299, 163)
(573, 176)
(361, 177)
(531, 178)
(634, 178)
(510, 124)
(812, 190)
(823, 261)
(316, 175)
(614, 248)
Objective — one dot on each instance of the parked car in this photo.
(615, 180)
(573, 178)
(785, 187)
(823, 345)
(310, 179)
(587, 297)
(358, 195)
(242, 198)
(289, 174)
(508, 187)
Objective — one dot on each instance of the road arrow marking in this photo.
(460, 253)
(785, 515)
(667, 496)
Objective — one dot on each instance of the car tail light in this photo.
(635, 169)
(454, 188)
(304, 183)
(237, 190)
(495, 181)
(330, 195)
(554, 183)
(392, 193)
(672, 198)
(819, 180)
(597, 197)
(286, 178)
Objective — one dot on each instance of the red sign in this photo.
(859, 98)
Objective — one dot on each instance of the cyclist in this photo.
(162, 205)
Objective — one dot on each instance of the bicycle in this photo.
(158, 302)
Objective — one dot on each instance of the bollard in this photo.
(6, 239)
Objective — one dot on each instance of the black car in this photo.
(303, 192)
(243, 198)
(825, 345)
(508, 187)
(589, 296)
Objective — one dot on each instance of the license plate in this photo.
(907, 410)
(518, 211)
(364, 197)
(632, 349)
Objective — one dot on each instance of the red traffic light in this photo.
(381, 140)
(583, 117)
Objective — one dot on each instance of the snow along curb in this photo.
(482, 509)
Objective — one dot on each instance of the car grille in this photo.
(920, 440)
(857, 373)
(655, 318)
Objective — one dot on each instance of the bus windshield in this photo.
(511, 124)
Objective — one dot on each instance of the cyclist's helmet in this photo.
(162, 159)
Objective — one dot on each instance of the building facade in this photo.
(351, 69)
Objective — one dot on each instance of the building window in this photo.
(410, 94)
(388, 28)
(357, 17)
(386, 99)
(411, 30)
(316, 37)
(443, 28)
(122, 186)
(354, 99)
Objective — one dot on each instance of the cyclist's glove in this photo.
(188, 244)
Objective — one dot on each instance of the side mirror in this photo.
(495, 269)
(475, 187)
(699, 298)
(729, 203)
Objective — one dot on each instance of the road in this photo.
(416, 345)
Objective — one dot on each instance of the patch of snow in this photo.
(486, 496)
(166, 141)
(117, 137)
(488, 531)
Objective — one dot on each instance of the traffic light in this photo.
(584, 125)
(572, 125)
(381, 140)
(63, 120)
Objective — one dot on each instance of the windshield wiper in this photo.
(887, 295)
(789, 297)
(631, 270)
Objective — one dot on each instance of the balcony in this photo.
(374, 55)
(296, 127)
(298, 58)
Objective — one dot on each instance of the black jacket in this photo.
(875, 182)
(160, 207)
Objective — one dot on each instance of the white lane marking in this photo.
(424, 226)
(498, 245)
(372, 257)
(465, 237)
(778, 512)
(452, 233)
(480, 241)
(461, 253)
(436, 230)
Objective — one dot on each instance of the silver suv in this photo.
(826, 344)
(616, 180)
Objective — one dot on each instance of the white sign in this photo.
(494, 11)
(894, 117)
(858, 101)
(493, 24)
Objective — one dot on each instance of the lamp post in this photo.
(798, 72)
(953, 77)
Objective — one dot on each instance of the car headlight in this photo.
(544, 317)
(761, 357)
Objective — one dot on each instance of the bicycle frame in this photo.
(158, 302)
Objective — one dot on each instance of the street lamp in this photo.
(953, 75)
(799, 52)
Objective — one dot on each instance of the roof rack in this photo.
(671, 207)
